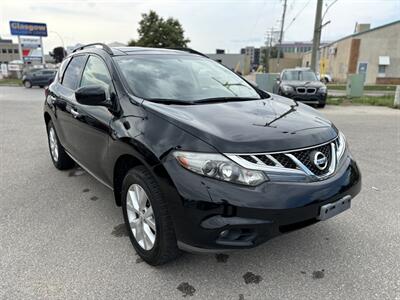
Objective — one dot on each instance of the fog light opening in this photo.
(236, 234)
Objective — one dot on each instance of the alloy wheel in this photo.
(53, 144)
(141, 216)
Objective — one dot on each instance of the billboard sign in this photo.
(30, 43)
(28, 28)
(29, 54)
(32, 59)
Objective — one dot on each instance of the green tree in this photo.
(154, 31)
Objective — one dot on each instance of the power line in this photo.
(295, 17)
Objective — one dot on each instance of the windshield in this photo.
(183, 78)
(299, 75)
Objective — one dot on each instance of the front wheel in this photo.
(147, 219)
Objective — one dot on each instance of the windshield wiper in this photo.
(170, 101)
(224, 99)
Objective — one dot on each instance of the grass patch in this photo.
(376, 101)
(9, 81)
(374, 87)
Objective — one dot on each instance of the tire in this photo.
(41, 86)
(321, 104)
(59, 157)
(27, 84)
(163, 247)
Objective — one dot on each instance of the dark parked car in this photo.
(301, 84)
(198, 158)
(41, 78)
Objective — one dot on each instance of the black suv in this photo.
(198, 158)
(301, 84)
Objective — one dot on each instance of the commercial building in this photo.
(295, 47)
(373, 52)
(237, 62)
(292, 55)
(253, 53)
(8, 51)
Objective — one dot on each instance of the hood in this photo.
(266, 125)
(295, 83)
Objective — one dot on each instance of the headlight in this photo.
(341, 146)
(322, 90)
(287, 88)
(219, 167)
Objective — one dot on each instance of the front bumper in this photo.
(211, 215)
(316, 98)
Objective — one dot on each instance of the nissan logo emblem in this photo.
(319, 160)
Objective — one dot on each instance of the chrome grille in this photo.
(301, 161)
(301, 90)
(306, 90)
(305, 157)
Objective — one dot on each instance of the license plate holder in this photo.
(332, 209)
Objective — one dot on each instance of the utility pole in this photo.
(271, 38)
(317, 36)
(281, 33)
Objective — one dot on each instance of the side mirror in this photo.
(94, 95)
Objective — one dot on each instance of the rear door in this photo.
(37, 77)
(65, 104)
(48, 75)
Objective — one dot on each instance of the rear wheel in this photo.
(60, 158)
(27, 84)
(146, 217)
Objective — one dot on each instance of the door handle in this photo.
(74, 113)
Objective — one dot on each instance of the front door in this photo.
(91, 131)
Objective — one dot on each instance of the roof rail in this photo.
(104, 46)
(190, 51)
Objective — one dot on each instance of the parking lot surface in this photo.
(61, 235)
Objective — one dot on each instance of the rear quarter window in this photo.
(62, 68)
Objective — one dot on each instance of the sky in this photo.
(209, 24)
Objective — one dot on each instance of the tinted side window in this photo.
(72, 73)
(96, 73)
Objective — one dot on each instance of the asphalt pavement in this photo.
(61, 234)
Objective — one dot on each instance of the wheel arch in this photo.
(47, 117)
(122, 165)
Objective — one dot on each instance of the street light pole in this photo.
(317, 35)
